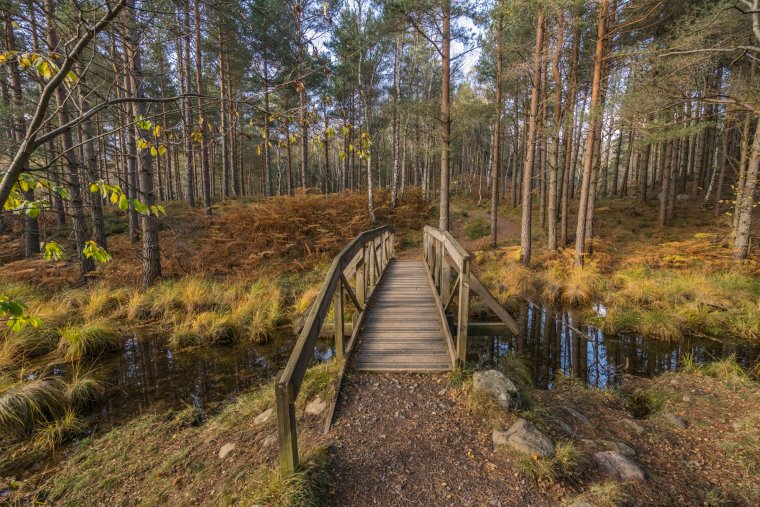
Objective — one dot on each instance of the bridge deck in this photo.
(402, 330)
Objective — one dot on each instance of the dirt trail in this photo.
(409, 439)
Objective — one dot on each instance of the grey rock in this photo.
(639, 429)
(609, 445)
(226, 450)
(564, 427)
(614, 465)
(494, 384)
(676, 420)
(580, 418)
(524, 437)
(263, 417)
(581, 503)
(316, 406)
(269, 440)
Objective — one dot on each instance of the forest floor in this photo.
(414, 439)
(663, 282)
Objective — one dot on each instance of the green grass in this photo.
(88, 339)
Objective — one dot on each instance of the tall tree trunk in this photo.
(588, 159)
(302, 102)
(91, 165)
(665, 172)
(747, 199)
(267, 158)
(443, 219)
(224, 126)
(72, 182)
(204, 129)
(151, 255)
(567, 173)
(723, 163)
(31, 226)
(527, 182)
(396, 116)
(496, 153)
(554, 154)
(187, 118)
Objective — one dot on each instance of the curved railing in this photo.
(364, 260)
(449, 267)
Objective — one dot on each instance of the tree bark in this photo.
(443, 219)
(554, 154)
(496, 153)
(747, 199)
(588, 160)
(527, 182)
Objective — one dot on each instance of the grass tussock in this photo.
(311, 486)
(59, 430)
(605, 494)
(566, 464)
(25, 405)
(88, 339)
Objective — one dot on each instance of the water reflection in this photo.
(145, 375)
(555, 343)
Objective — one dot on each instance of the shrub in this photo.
(477, 228)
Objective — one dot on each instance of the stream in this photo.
(556, 344)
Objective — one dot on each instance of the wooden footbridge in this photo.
(408, 315)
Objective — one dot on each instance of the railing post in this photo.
(286, 427)
(445, 279)
(464, 311)
(338, 314)
(439, 252)
(361, 288)
(371, 275)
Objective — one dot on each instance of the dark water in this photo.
(146, 375)
(552, 344)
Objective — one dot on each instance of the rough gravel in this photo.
(409, 439)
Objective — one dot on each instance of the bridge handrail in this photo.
(444, 256)
(364, 259)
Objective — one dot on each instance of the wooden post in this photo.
(361, 287)
(445, 278)
(464, 311)
(286, 427)
(371, 266)
(437, 266)
(338, 313)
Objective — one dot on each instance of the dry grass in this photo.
(88, 339)
(25, 405)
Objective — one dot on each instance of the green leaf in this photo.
(123, 202)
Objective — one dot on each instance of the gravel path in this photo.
(408, 439)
